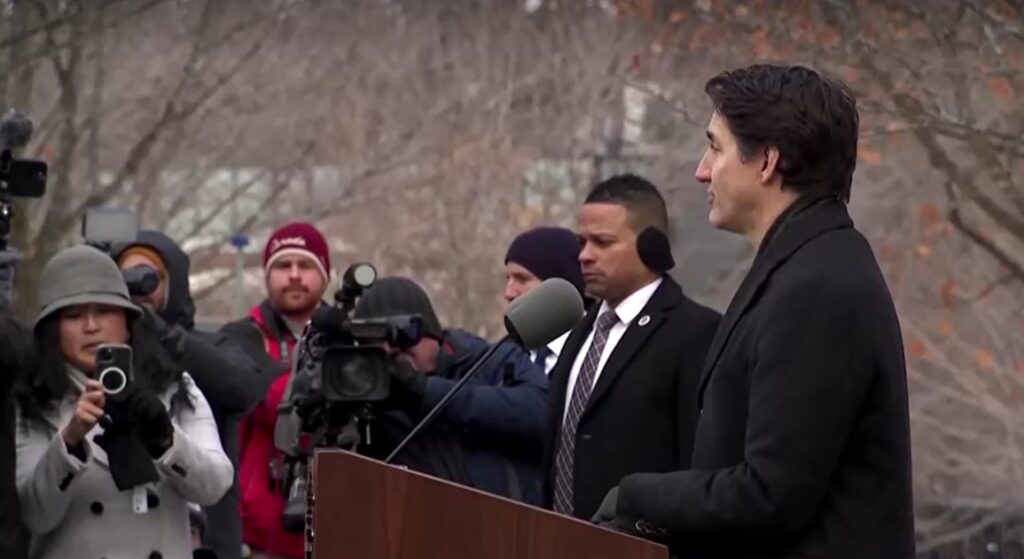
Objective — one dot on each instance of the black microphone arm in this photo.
(437, 409)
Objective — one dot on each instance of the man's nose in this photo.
(510, 290)
(586, 254)
(703, 173)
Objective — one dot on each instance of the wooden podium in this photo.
(365, 509)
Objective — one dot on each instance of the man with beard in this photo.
(297, 265)
(229, 378)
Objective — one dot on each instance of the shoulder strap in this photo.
(277, 347)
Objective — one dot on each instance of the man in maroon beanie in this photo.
(297, 266)
(534, 256)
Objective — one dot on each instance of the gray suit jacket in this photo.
(73, 508)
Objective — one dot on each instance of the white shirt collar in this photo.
(556, 344)
(632, 305)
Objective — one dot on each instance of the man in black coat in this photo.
(229, 378)
(803, 443)
(623, 391)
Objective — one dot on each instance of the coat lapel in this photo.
(559, 378)
(657, 308)
(806, 221)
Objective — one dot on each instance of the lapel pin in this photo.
(644, 320)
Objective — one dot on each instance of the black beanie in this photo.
(392, 296)
(548, 252)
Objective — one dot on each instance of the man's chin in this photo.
(291, 306)
(595, 290)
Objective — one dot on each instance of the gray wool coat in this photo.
(73, 508)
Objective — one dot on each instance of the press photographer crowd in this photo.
(780, 429)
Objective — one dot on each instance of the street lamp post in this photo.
(240, 241)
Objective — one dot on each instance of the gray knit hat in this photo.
(396, 295)
(82, 275)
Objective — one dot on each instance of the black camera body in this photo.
(342, 368)
(342, 371)
(344, 360)
(19, 178)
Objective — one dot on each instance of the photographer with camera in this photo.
(108, 457)
(497, 419)
(227, 375)
(297, 265)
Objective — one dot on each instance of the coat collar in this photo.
(666, 297)
(803, 221)
(645, 322)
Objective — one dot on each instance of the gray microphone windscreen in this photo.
(15, 130)
(544, 313)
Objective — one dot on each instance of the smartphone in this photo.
(114, 365)
(109, 226)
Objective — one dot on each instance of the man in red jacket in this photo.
(298, 268)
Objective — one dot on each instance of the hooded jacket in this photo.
(227, 375)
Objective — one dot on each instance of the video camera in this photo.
(343, 363)
(109, 230)
(342, 371)
(19, 178)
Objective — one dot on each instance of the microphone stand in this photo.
(437, 409)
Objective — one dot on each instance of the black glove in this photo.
(606, 512)
(172, 337)
(155, 320)
(155, 427)
(412, 381)
(131, 463)
(608, 516)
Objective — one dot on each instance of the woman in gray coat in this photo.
(76, 500)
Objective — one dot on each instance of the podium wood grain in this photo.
(365, 509)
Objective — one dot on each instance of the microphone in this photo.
(15, 130)
(543, 313)
(532, 320)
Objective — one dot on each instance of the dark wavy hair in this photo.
(808, 115)
(45, 382)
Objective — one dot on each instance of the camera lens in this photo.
(113, 380)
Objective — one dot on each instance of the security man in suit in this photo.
(622, 396)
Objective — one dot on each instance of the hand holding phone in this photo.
(88, 412)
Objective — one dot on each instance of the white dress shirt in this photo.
(555, 346)
(627, 311)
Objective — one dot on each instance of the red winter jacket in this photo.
(262, 499)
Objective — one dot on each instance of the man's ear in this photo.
(770, 164)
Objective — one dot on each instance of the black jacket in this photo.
(229, 378)
(803, 444)
(15, 345)
(642, 412)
